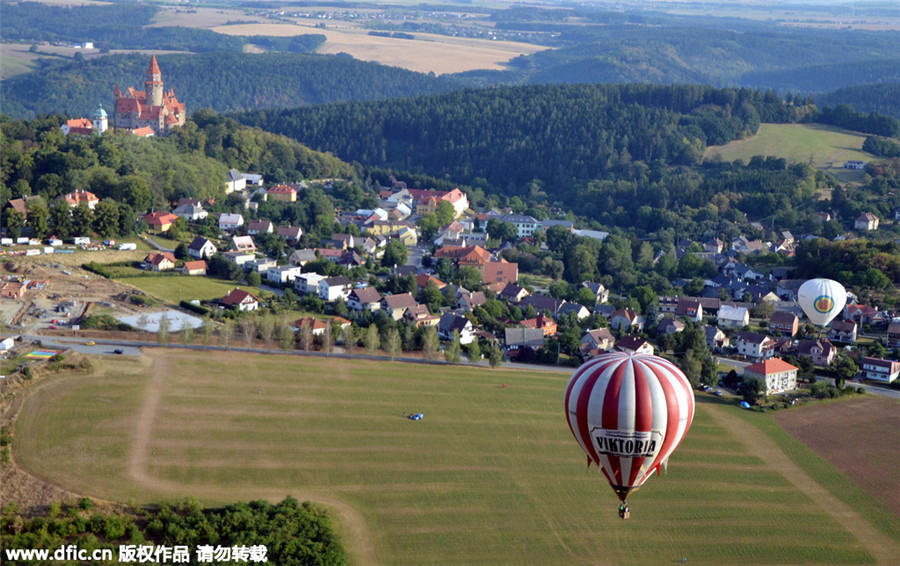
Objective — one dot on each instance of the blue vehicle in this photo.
(415, 416)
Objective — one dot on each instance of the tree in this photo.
(106, 218)
(15, 221)
(37, 217)
(266, 329)
(753, 390)
(254, 279)
(430, 343)
(226, 333)
(248, 329)
(327, 339)
(82, 220)
(763, 310)
(371, 340)
(496, 355)
(162, 335)
(474, 351)
(392, 344)
(206, 331)
(187, 334)
(395, 253)
(348, 338)
(432, 297)
(181, 252)
(445, 213)
(453, 353)
(305, 333)
(61, 218)
(846, 369)
(284, 335)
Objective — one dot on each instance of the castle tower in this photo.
(100, 120)
(154, 85)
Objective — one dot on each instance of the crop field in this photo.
(490, 475)
(427, 53)
(826, 146)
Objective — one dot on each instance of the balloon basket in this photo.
(624, 511)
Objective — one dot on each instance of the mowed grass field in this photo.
(827, 146)
(176, 288)
(491, 475)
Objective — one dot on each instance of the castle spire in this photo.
(153, 69)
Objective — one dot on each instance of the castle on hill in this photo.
(151, 108)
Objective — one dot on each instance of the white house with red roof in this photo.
(159, 221)
(777, 375)
(240, 300)
(75, 198)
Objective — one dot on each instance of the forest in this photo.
(292, 533)
(558, 136)
(267, 80)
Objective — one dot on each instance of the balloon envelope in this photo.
(629, 412)
(822, 300)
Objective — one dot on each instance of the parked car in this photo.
(119, 351)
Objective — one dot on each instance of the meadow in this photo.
(173, 289)
(491, 475)
(826, 147)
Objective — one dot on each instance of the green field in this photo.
(176, 288)
(826, 146)
(490, 476)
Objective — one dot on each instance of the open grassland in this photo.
(427, 53)
(825, 146)
(173, 289)
(490, 476)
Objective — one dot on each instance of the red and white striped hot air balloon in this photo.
(629, 412)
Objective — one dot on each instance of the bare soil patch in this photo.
(860, 437)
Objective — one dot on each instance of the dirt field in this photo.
(427, 53)
(849, 435)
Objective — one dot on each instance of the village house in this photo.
(289, 233)
(243, 243)
(282, 273)
(633, 345)
(669, 326)
(542, 303)
(525, 225)
(452, 321)
(302, 257)
(364, 298)
(716, 339)
(308, 283)
(547, 324)
(334, 288)
(501, 272)
(878, 369)
(423, 279)
(577, 309)
(262, 264)
(893, 336)
(159, 221)
(690, 309)
(474, 256)
(197, 267)
(75, 198)
(396, 305)
(513, 293)
(753, 345)
(159, 261)
(420, 316)
(733, 317)
(469, 300)
(863, 314)
(626, 320)
(190, 212)
(255, 227)
(240, 258)
(230, 222)
(776, 374)
(241, 300)
(201, 248)
(521, 338)
(598, 339)
(845, 331)
(866, 221)
(315, 326)
(784, 322)
(821, 352)
(601, 293)
(282, 193)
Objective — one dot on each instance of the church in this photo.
(149, 108)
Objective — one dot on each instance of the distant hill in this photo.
(883, 98)
(221, 81)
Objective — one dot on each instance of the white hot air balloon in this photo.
(822, 300)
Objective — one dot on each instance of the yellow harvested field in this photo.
(203, 18)
(427, 53)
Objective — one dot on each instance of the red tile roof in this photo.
(770, 366)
